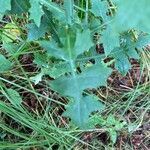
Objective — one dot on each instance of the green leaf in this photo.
(41, 60)
(19, 6)
(53, 70)
(111, 120)
(143, 40)
(57, 70)
(68, 6)
(52, 49)
(36, 79)
(73, 86)
(35, 32)
(14, 97)
(83, 43)
(119, 125)
(36, 11)
(132, 53)
(129, 46)
(80, 110)
(122, 63)
(11, 48)
(99, 8)
(110, 40)
(5, 5)
(126, 17)
(48, 25)
(57, 12)
(5, 64)
(113, 135)
(96, 120)
(132, 127)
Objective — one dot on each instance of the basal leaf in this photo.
(36, 11)
(74, 86)
(5, 64)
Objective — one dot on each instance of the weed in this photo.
(71, 71)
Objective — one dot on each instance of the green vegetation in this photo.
(74, 75)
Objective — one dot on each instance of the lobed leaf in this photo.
(73, 86)
(99, 8)
(122, 63)
(80, 110)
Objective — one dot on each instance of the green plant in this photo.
(68, 43)
(110, 124)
